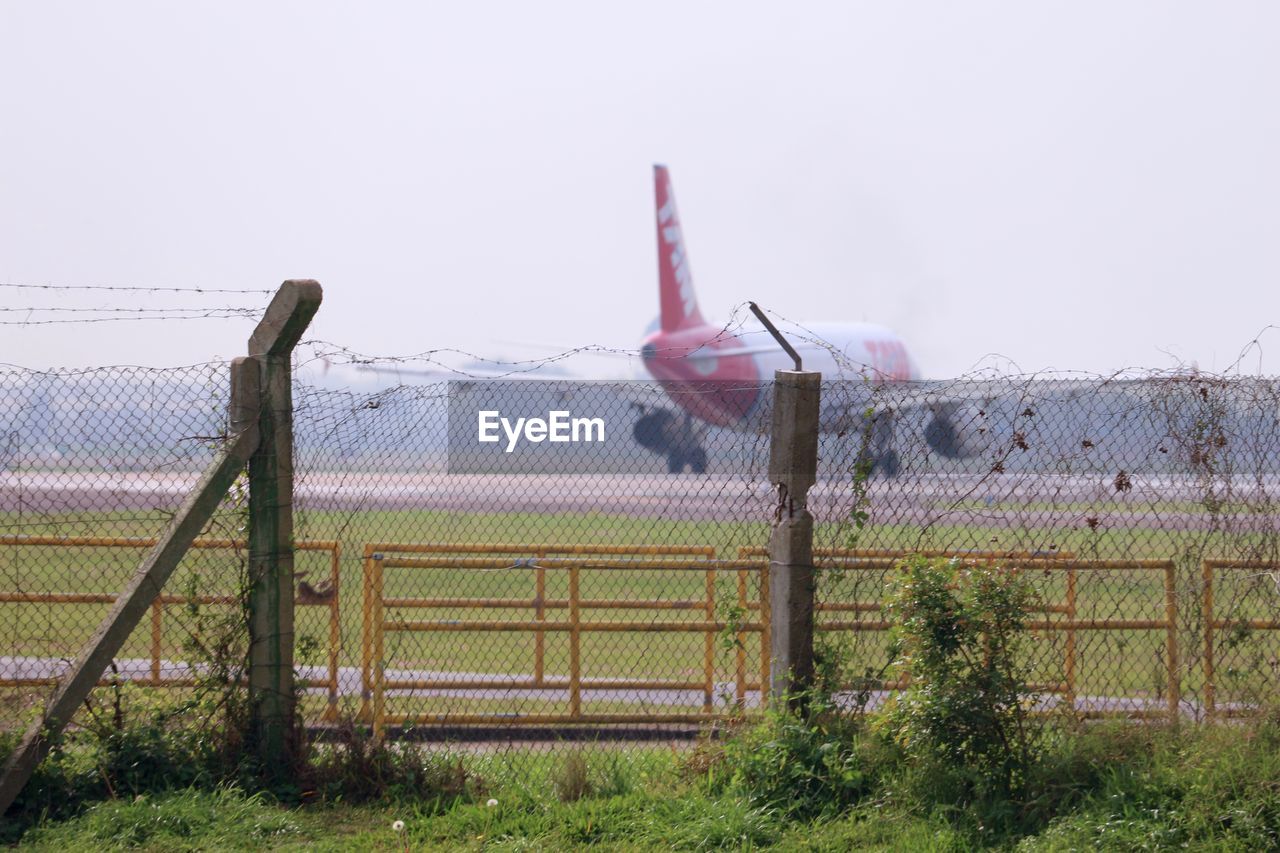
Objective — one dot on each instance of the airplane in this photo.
(717, 377)
(690, 356)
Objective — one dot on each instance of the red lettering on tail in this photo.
(675, 280)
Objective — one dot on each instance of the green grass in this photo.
(1109, 787)
(223, 819)
(631, 822)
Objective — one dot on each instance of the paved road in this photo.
(661, 700)
(1017, 499)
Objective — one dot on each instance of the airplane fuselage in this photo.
(691, 362)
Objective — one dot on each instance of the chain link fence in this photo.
(528, 589)
(95, 463)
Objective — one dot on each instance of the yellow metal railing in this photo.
(879, 560)
(157, 677)
(574, 561)
(1212, 624)
(571, 614)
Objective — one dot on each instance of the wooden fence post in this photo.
(271, 683)
(793, 466)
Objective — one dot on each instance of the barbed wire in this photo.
(326, 352)
(147, 370)
(112, 310)
(135, 288)
(136, 315)
(39, 315)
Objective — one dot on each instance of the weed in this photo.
(570, 779)
(804, 766)
(356, 767)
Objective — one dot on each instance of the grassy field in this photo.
(1127, 662)
(231, 821)
(1116, 787)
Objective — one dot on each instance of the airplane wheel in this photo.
(890, 464)
(675, 463)
(698, 461)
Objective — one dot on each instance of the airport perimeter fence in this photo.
(525, 592)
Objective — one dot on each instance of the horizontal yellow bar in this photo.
(1154, 565)
(101, 598)
(699, 565)
(1241, 564)
(1098, 624)
(109, 598)
(143, 542)
(631, 604)
(143, 681)
(1054, 564)
(545, 719)
(522, 625)
(1256, 624)
(874, 607)
(837, 607)
(1038, 625)
(760, 551)
(551, 603)
(546, 684)
(872, 561)
(452, 625)
(532, 548)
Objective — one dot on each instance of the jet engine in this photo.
(958, 431)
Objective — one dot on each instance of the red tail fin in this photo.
(675, 281)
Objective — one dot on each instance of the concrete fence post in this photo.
(271, 684)
(261, 435)
(793, 466)
(138, 596)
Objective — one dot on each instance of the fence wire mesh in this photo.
(534, 589)
(94, 465)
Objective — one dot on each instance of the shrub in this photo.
(805, 766)
(958, 632)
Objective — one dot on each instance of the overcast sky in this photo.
(1076, 185)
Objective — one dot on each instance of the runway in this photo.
(1019, 499)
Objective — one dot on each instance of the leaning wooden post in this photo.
(793, 465)
(145, 586)
(271, 687)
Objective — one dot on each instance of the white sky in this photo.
(1074, 185)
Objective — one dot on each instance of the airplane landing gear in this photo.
(888, 464)
(879, 454)
(677, 438)
(695, 459)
